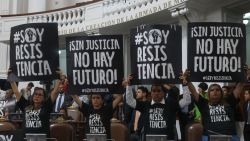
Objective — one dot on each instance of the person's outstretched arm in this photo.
(54, 92)
(130, 100)
(186, 100)
(15, 90)
(117, 100)
(14, 87)
(184, 77)
(238, 89)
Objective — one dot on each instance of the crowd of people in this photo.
(146, 110)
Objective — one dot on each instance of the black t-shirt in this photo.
(36, 121)
(98, 120)
(218, 119)
(158, 118)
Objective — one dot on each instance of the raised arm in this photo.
(15, 90)
(14, 87)
(54, 92)
(238, 89)
(77, 100)
(184, 77)
(186, 100)
(117, 100)
(130, 100)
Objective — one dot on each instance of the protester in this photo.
(159, 114)
(127, 110)
(98, 114)
(37, 112)
(218, 116)
(136, 120)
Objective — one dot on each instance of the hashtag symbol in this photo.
(16, 37)
(138, 38)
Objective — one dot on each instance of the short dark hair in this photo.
(143, 89)
(162, 87)
(102, 95)
(203, 86)
(31, 84)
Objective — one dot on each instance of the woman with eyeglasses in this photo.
(37, 112)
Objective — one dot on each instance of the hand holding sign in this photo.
(184, 77)
(11, 77)
(127, 81)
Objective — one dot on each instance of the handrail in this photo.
(89, 17)
(53, 10)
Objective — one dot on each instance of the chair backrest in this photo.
(220, 138)
(62, 131)
(7, 126)
(96, 137)
(194, 132)
(35, 137)
(75, 114)
(119, 132)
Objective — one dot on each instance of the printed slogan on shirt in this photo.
(95, 124)
(32, 119)
(2, 108)
(157, 119)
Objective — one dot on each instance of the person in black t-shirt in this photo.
(159, 114)
(37, 112)
(136, 120)
(98, 114)
(217, 113)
